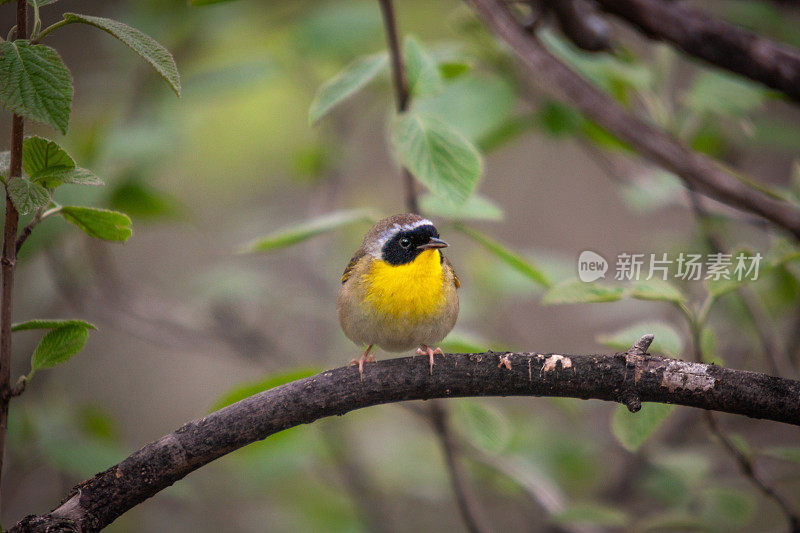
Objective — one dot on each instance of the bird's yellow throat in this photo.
(413, 290)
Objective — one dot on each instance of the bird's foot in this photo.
(430, 352)
(366, 357)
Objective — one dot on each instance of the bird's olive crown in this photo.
(402, 246)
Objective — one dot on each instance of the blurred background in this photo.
(186, 323)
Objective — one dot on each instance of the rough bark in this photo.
(629, 378)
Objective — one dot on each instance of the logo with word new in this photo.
(591, 266)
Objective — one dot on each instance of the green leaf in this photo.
(667, 340)
(476, 207)
(674, 520)
(140, 200)
(475, 106)
(785, 453)
(727, 507)
(482, 424)
(346, 83)
(5, 163)
(724, 94)
(55, 176)
(451, 70)
(633, 429)
(58, 345)
(658, 290)
(461, 342)
(707, 344)
(99, 223)
(27, 196)
(240, 392)
(48, 323)
(573, 291)
(39, 154)
(35, 83)
(592, 513)
(438, 155)
(305, 230)
(509, 257)
(144, 45)
(422, 74)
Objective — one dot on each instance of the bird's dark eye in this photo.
(405, 242)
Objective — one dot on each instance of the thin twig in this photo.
(472, 512)
(718, 42)
(9, 257)
(40, 215)
(401, 92)
(708, 176)
(776, 356)
(747, 467)
(745, 464)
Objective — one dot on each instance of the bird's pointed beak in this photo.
(433, 243)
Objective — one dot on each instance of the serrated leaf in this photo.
(240, 392)
(506, 255)
(302, 231)
(475, 106)
(476, 207)
(35, 83)
(5, 163)
(438, 156)
(666, 341)
(99, 223)
(592, 513)
(55, 176)
(422, 74)
(144, 45)
(658, 290)
(59, 345)
(27, 196)
(482, 424)
(573, 291)
(346, 83)
(48, 323)
(633, 429)
(39, 154)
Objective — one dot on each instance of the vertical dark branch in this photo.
(468, 505)
(401, 90)
(9, 257)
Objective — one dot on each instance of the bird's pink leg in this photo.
(366, 357)
(430, 352)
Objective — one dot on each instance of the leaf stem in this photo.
(50, 28)
(38, 217)
(8, 259)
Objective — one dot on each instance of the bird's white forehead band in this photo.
(394, 230)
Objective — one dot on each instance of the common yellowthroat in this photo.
(399, 290)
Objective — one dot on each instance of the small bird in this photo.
(399, 290)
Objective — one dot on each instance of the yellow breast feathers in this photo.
(414, 289)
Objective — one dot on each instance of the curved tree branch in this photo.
(629, 376)
(722, 44)
(697, 170)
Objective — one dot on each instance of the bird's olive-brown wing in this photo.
(449, 265)
(352, 264)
